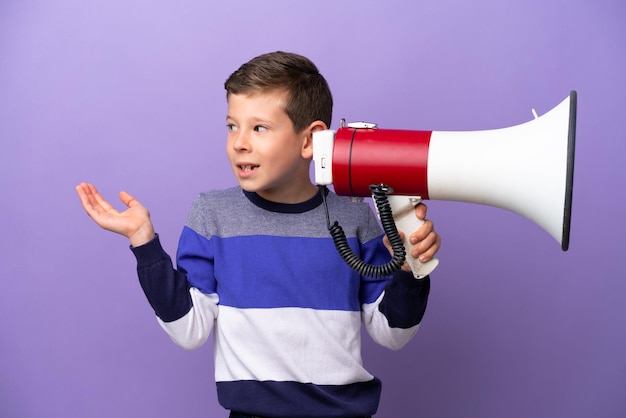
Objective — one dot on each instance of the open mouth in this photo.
(247, 167)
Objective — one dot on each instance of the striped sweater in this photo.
(285, 309)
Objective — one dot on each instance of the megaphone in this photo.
(527, 169)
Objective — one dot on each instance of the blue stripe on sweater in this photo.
(321, 280)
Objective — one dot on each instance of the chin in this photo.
(249, 187)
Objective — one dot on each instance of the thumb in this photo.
(128, 199)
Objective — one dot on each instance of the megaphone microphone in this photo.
(527, 169)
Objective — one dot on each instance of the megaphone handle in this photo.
(403, 208)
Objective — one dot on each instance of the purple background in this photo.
(129, 95)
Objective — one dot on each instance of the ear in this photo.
(307, 140)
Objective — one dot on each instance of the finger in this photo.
(427, 248)
(82, 191)
(420, 211)
(94, 204)
(99, 202)
(426, 243)
(432, 251)
(422, 232)
(86, 195)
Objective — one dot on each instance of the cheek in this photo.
(229, 146)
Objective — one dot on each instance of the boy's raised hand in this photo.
(134, 223)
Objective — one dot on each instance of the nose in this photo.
(239, 141)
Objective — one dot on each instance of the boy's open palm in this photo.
(134, 223)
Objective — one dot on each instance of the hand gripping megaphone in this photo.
(527, 169)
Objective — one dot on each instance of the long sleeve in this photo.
(393, 307)
(405, 299)
(185, 313)
(393, 319)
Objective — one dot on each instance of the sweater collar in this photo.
(301, 207)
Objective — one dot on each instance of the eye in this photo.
(260, 128)
(231, 127)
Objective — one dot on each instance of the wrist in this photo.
(144, 235)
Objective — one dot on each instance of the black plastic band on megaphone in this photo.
(569, 182)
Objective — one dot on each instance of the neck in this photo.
(298, 194)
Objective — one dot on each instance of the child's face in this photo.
(265, 153)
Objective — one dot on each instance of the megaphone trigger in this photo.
(403, 208)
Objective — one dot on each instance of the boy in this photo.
(256, 263)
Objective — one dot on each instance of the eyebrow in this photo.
(254, 119)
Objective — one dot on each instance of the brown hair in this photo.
(309, 97)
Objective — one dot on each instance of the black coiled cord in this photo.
(379, 193)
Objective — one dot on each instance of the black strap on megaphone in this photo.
(379, 193)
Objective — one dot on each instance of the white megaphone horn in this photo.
(527, 169)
